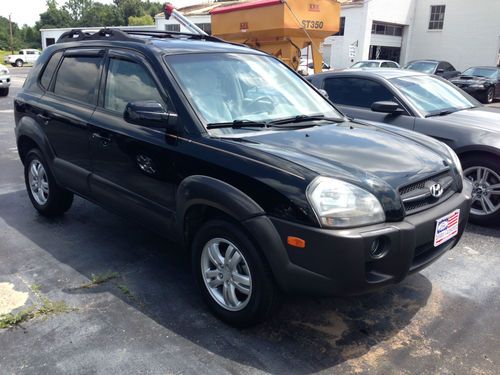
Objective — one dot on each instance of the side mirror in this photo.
(439, 71)
(385, 107)
(324, 93)
(149, 113)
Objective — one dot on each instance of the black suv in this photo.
(233, 154)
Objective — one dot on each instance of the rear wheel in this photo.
(4, 91)
(19, 63)
(45, 194)
(484, 173)
(234, 279)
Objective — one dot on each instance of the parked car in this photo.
(306, 67)
(432, 106)
(375, 64)
(25, 56)
(271, 192)
(4, 80)
(482, 82)
(440, 68)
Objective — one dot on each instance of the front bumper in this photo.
(338, 262)
(4, 81)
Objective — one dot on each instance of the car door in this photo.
(31, 56)
(132, 165)
(355, 95)
(65, 110)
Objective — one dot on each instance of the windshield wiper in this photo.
(238, 124)
(442, 113)
(305, 118)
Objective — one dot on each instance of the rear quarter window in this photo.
(78, 78)
(49, 70)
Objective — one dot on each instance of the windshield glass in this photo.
(422, 66)
(366, 64)
(432, 95)
(481, 72)
(224, 87)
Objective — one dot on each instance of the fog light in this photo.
(378, 249)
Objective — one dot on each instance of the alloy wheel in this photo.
(226, 274)
(38, 182)
(486, 190)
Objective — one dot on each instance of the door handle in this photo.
(105, 140)
(44, 118)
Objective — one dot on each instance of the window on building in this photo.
(128, 82)
(206, 27)
(436, 21)
(49, 70)
(173, 27)
(356, 92)
(386, 29)
(50, 41)
(78, 78)
(341, 27)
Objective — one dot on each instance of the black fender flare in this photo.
(211, 192)
(29, 128)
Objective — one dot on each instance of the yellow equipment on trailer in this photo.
(279, 27)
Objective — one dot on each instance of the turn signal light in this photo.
(296, 242)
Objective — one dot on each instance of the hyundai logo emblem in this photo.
(436, 190)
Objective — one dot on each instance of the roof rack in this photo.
(77, 35)
(116, 34)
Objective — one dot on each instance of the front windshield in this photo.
(366, 64)
(432, 95)
(481, 72)
(422, 66)
(227, 87)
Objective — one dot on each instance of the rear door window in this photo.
(78, 78)
(356, 92)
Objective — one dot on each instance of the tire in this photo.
(485, 208)
(489, 96)
(13, 65)
(4, 91)
(48, 198)
(19, 63)
(261, 295)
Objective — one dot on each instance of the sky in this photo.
(27, 11)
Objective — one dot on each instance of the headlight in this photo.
(339, 204)
(455, 161)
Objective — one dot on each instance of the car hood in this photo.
(481, 117)
(363, 153)
(470, 80)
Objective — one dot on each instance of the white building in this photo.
(462, 32)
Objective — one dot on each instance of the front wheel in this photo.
(489, 96)
(484, 173)
(19, 63)
(45, 194)
(234, 279)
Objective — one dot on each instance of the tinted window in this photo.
(422, 66)
(49, 70)
(78, 78)
(128, 82)
(357, 92)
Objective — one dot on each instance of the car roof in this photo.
(484, 67)
(386, 73)
(181, 46)
(427, 60)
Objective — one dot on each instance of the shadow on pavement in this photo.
(306, 335)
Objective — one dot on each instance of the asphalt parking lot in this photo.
(105, 296)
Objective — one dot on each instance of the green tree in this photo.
(140, 21)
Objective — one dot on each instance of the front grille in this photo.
(416, 196)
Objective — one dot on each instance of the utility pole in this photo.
(11, 42)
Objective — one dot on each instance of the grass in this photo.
(99, 279)
(46, 308)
